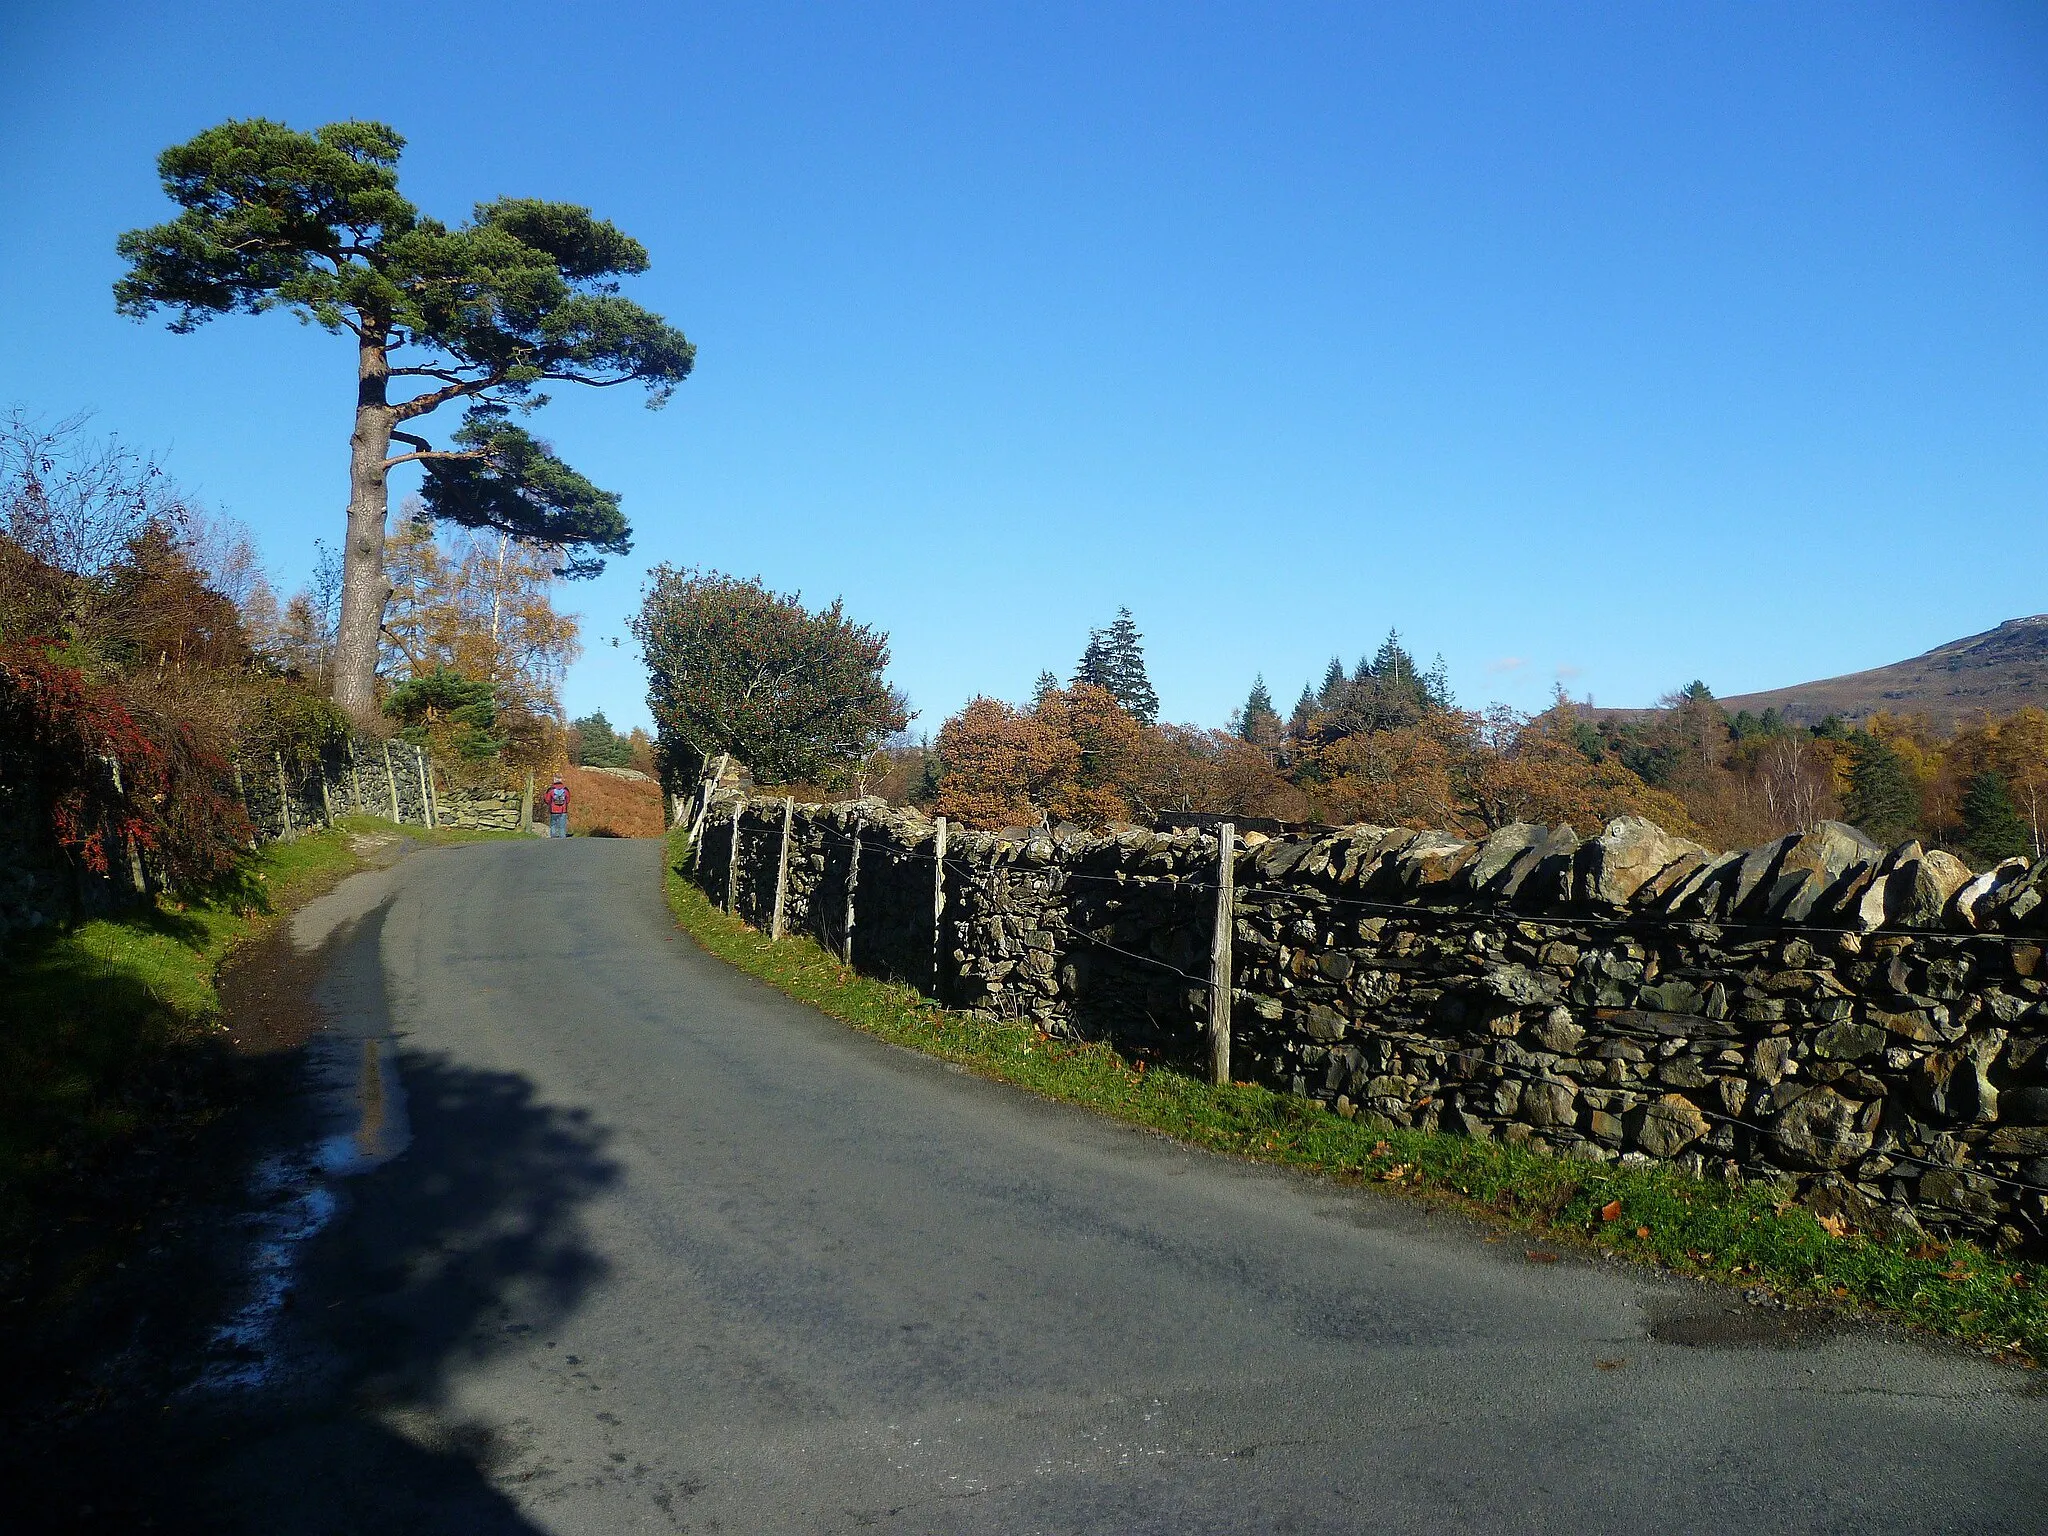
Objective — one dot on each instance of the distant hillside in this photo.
(1999, 670)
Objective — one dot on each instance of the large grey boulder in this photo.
(1977, 901)
(1627, 854)
(1432, 863)
(1813, 867)
(1542, 875)
(1918, 891)
(1498, 853)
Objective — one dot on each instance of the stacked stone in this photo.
(1871, 1023)
(490, 810)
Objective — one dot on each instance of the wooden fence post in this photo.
(782, 868)
(938, 901)
(526, 805)
(283, 795)
(419, 761)
(732, 857)
(1221, 984)
(355, 774)
(704, 811)
(391, 782)
(852, 879)
(242, 794)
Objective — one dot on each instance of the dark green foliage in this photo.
(598, 745)
(517, 485)
(1046, 683)
(733, 667)
(524, 293)
(1331, 694)
(1992, 826)
(1115, 660)
(440, 706)
(1304, 712)
(1883, 798)
(1259, 722)
(1385, 692)
(1746, 726)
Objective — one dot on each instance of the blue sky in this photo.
(1620, 345)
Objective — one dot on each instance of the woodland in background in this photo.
(144, 654)
(1384, 742)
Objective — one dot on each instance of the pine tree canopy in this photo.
(479, 314)
(1259, 723)
(1992, 826)
(1884, 797)
(1115, 661)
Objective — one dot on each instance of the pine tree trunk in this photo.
(365, 588)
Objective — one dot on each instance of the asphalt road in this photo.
(633, 1243)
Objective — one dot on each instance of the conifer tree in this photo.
(1129, 680)
(484, 313)
(1304, 711)
(1259, 722)
(1115, 660)
(1093, 668)
(1046, 683)
(1883, 798)
(1992, 827)
(1331, 694)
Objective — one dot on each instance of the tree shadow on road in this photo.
(470, 1242)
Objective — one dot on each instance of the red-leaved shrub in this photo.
(100, 781)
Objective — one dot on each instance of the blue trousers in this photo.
(558, 824)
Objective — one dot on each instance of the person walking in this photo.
(557, 802)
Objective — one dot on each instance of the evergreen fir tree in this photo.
(1883, 798)
(1436, 684)
(1992, 827)
(1335, 683)
(1093, 667)
(1133, 686)
(1304, 711)
(1046, 684)
(1259, 723)
(1115, 660)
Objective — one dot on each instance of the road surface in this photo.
(627, 1242)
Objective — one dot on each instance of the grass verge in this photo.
(1752, 1237)
(102, 1022)
(96, 1016)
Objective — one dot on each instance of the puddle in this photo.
(360, 1124)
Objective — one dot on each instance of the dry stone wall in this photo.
(1869, 1024)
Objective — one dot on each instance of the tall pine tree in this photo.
(1259, 722)
(1115, 660)
(1884, 797)
(1992, 827)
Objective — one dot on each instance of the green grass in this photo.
(100, 1022)
(96, 1018)
(1752, 1237)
